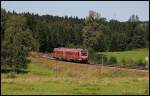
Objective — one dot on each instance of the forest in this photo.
(25, 32)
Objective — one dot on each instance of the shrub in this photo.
(130, 62)
(105, 59)
(99, 59)
(123, 61)
(140, 63)
(91, 55)
(11, 75)
(112, 60)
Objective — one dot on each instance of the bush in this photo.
(105, 60)
(112, 60)
(99, 59)
(11, 75)
(91, 55)
(13, 57)
(131, 62)
(140, 63)
(123, 61)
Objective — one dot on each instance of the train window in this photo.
(84, 52)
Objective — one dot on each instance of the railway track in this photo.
(138, 69)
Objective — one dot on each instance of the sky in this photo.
(119, 10)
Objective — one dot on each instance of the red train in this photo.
(81, 55)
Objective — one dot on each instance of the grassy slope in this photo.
(73, 79)
(137, 54)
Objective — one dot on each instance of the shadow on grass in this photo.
(72, 61)
(16, 71)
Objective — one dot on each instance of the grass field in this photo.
(69, 78)
(137, 54)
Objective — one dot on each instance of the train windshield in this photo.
(84, 52)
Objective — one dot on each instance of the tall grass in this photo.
(52, 77)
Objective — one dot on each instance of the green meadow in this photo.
(43, 77)
(137, 54)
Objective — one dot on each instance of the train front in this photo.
(85, 55)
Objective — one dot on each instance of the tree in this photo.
(93, 32)
(134, 18)
(3, 21)
(17, 43)
(140, 36)
(46, 32)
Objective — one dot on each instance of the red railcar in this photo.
(71, 54)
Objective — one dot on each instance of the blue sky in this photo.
(120, 10)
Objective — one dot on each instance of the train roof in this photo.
(67, 49)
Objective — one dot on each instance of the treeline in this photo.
(24, 32)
